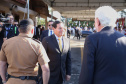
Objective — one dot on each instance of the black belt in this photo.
(25, 77)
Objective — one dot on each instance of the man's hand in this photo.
(68, 77)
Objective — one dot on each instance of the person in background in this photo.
(15, 23)
(48, 32)
(77, 33)
(90, 29)
(42, 29)
(9, 28)
(16, 27)
(36, 33)
(68, 32)
(39, 30)
(85, 28)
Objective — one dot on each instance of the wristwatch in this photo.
(4, 82)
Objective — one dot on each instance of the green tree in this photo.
(82, 23)
(40, 21)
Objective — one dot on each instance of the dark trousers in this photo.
(1, 81)
(78, 36)
(60, 81)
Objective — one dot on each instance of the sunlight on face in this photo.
(59, 30)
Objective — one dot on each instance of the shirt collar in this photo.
(50, 30)
(106, 27)
(57, 37)
(25, 35)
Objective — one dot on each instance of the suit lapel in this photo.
(55, 42)
(64, 44)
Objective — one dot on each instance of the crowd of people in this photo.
(9, 29)
(77, 31)
(24, 42)
(24, 46)
(121, 29)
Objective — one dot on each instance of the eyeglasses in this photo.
(50, 25)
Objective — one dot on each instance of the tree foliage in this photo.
(40, 21)
(82, 23)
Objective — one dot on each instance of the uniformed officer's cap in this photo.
(26, 22)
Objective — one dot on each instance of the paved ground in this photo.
(76, 53)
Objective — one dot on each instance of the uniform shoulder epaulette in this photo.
(37, 40)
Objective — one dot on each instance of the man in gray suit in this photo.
(58, 51)
(104, 59)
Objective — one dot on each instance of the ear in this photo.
(98, 21)
(32, 31)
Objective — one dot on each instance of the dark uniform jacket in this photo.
(104, 59)
(10, 31)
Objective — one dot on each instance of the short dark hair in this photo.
(8, 14)
(15, 21)
(50, 21)
(24, 25)
(38, 26)
(55, 24)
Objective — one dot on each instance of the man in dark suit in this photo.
(36, 33)
(58, 51)
(9, 29)
(104, 52)
(48, 32)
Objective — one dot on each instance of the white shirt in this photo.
(85, 28)
(49, 33)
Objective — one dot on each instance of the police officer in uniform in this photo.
(22, 54)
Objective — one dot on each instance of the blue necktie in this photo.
(51, 32)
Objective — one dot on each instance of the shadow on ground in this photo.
(76, 53)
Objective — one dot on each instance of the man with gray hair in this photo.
(104, 52)
(22, 54)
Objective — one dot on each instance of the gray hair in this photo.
(106, 15)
